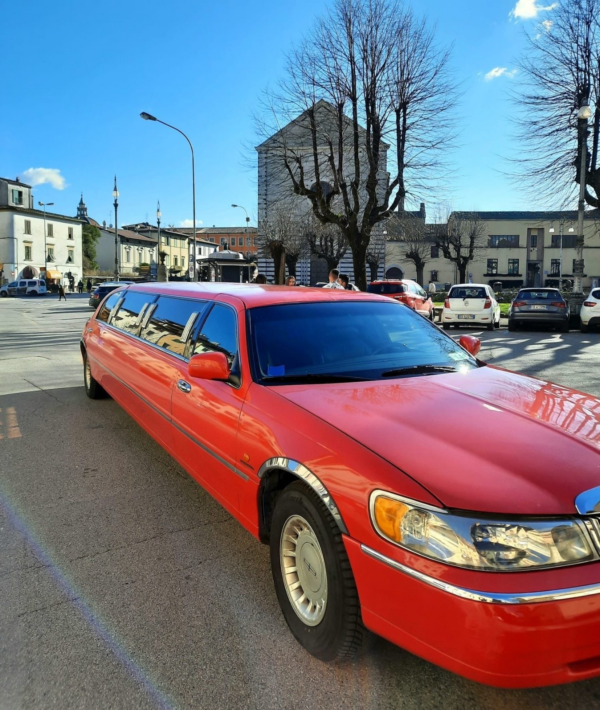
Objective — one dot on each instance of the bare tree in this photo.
(296, 246)
(277, 233)
(375, 257)
(326, 241)
(561, 73)
(416, 239)
(461, 240)
(367, 82)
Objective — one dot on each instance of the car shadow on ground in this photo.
(124, 584)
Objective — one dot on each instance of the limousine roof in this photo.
(254, 295)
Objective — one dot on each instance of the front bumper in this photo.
(505, 640)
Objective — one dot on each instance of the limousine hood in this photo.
(487, 440)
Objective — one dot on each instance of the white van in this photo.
(24, 287)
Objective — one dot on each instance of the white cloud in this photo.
(43, 176)
(547, 25)
(528, 9)
(190, 223)
(497, 72)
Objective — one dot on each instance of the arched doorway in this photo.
(394, 272)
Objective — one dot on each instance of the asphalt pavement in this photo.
(124, 585)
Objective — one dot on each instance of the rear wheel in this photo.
(512, 326)
(313, 579)
(446, 326)
(490, 326)
(564, 328)
(584, 328)
(92, 388)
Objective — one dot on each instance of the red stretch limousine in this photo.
(402, 484)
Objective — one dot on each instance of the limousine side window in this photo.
(218, 334)
(127, 318)
(107, 306)
(171, 321)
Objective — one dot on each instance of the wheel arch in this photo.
(275, 475)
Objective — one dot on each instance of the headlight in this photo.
(479, 542)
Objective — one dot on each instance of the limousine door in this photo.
(206, 413)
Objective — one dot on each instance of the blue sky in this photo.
(77, 75)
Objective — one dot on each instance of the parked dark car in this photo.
(544, 306)
(101, 290)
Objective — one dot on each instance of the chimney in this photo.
(422, 212)
(17, 179)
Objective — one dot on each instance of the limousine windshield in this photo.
(347, 341)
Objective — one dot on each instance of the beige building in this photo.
(519, 249)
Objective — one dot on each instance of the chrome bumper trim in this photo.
(487, 597)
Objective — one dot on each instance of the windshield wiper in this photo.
(312, 377)
(419, 370)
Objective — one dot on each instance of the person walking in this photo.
(61, 292)
(89, 285)
(80, 286)
(334, 275)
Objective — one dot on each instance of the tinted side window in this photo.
(168, 322)
(219, 333)
(127, 317)
(596, 293)
(107, 307)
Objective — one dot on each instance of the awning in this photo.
(53, 275)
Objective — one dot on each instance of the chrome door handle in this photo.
(184, 386)
(90, 330)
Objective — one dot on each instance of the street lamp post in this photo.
(560, 259)
(116, 204)
(44, 205)
(149, 117)
(158, 216)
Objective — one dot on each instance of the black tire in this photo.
(340, 632)
(584, 328)
(565, 327)
(92, 388)
(446, 326)
(490, 326)
(512, 326)
(3, 294)
(497, 324)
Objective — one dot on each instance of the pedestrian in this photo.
(89, 285)
(432, 288)
(61, 292)
(334, 275)
(290, 281)
(80, 286)
(344, 281)
(260, 279)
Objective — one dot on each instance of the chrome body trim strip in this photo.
(588, 502)
(552, 595)
(221, 460)
(300, 470)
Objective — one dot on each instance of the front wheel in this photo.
(92, 388)
(313, 579)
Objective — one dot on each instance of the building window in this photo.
(50, 229)
(223, 242)
(50, 253)
(17, 197)
(569, 241)
(248, 241)
(175, 261)
(513, 267)
(499, 241)
(554, 267)
(183, 262)
(27, 229)
(433, 275)
(211, 239)
(70, 232)
(492, 266)
(241, 241)
(27, 252)
(533, 241)
(70, 256)
(435, 252)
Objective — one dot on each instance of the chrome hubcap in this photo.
(88, 374)
(303, 570)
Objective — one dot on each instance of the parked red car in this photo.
(403, 485)
(407, 292)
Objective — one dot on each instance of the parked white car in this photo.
(24, 287)
(471, 304)
(590, 311)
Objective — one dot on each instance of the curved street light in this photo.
(149, 117)
(44, 205)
